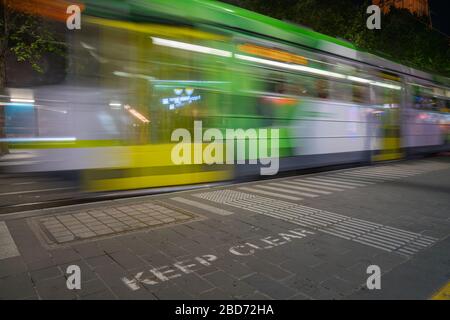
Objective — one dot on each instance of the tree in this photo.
(25, 36)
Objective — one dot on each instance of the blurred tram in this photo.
(139, 69)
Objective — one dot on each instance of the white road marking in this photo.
(326, 179)
(267, 193)
(310, 184)
(319, 182)
(367, 176)
(375, 174)
(8, 248)
(23, 183)
(287, 185)
(399, 171)
(388, 173)
(352, 180)
(282, 186)
(34, 191)
(203, 206)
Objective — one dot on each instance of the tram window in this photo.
(424, 102)
(443, 105)
(383, 96)
(322, 88)
(305, 86)
(360, 93)
(340, 91)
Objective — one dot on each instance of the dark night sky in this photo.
(440, 15)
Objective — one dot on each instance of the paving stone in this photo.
(83, 225)
(158, 259)
(12, 266)
(272, 288)
(55, 289)
(99, 261)
(86, 272)
(173, 250)
(387, 261)
(193, 284)
(112, 275)
(299, 266)
(137, 245)
(403, 283)
(91, 287)
(64, 255)
(189, 231)
(318, 292)
(104, 295)
(356, 274)
(299, 256)
(127, 260)
(17, 286)
(172, 292)
(256, 296)
(234, 268)
(215, 294)
(110, 245)
(46, 273)
(204, 270)
(266, 268)
(231, 286)
(300, 296)
(87, 250)
(272, 256)
(29, 246)
(321, 272)
(339, 286)
(41, 264)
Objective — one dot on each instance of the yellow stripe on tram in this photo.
(156, 29)
(390, 150)
(150, 166)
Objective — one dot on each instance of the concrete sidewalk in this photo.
(305, 237)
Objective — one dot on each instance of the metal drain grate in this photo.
(87, 224)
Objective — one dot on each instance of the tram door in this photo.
(389, 117)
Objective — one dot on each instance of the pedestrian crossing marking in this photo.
(288, 190)
(325, 179)
(268, 193)
(286, 185)
(372, 234)
(354, 179)
(326, 184)
(203, 206)
(366, 175)
(318, 185)
(312, 185)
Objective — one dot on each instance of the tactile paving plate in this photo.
(80, 225)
